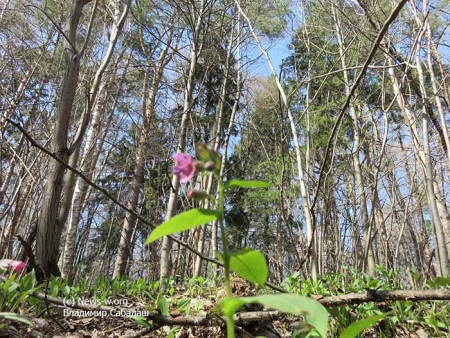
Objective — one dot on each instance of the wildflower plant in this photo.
(14, 295)
(247, 263)
(17, 266)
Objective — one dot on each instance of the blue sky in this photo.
(278, 50)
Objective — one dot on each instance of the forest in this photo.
(277, 155)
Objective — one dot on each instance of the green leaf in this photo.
(230, 305)
(161, 303)
(184, 305)
(66, 290)
(14, 316)
(245, 184)
(184, 221)
(315, 313)
(172, 331)
(442, 281)
(357, 327)
(250, 265)
(8, 282)
(141, 321)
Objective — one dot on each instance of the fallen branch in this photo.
(35, 144)
(246, 317)
(383, 296)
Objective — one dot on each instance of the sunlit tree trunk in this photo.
(377, 209)
(357, 253)
(438, 88)
(74, 201)
(441, 247)
(214, 144)
(228, 132)
(422, 152)
(369, 260)
(49, 228)
(155, 70)
(196, 47)
(304, 189)
(28, 181)
(22, 198)
(437, 218)
(443, 213)
(423, 245)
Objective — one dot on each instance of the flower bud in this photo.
(202, 152)
(206, 155)
(210, 166)
(197, 194)
(17, 266)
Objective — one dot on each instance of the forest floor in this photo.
(75, 323)
(192, 310)
(122, 327)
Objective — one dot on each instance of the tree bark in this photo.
(49, 226)
(422, 153)
(76, 201)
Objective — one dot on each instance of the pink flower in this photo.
(185, 167)
(18, 266)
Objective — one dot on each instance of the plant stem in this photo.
(226, 258)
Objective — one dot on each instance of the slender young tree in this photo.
(368, 259)
(304, 188)
(224, 100)
(195, 13)
(153, 76)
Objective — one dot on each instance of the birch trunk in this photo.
(70, 178)
(436, 216)
(369, 260)
(196, 47)
(71, 200)
(124, 250)
(307, 213)
(422, 153)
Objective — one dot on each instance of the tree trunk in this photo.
(369, 260)
(304, 189)
(214, 144)
(226, 141)
(440, 242)
(422, 153)
(77, 200)
(196, 47)
(49, 226)
(124, 250)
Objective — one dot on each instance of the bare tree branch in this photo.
(114, 200)
(74, 49)
(358, 80)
